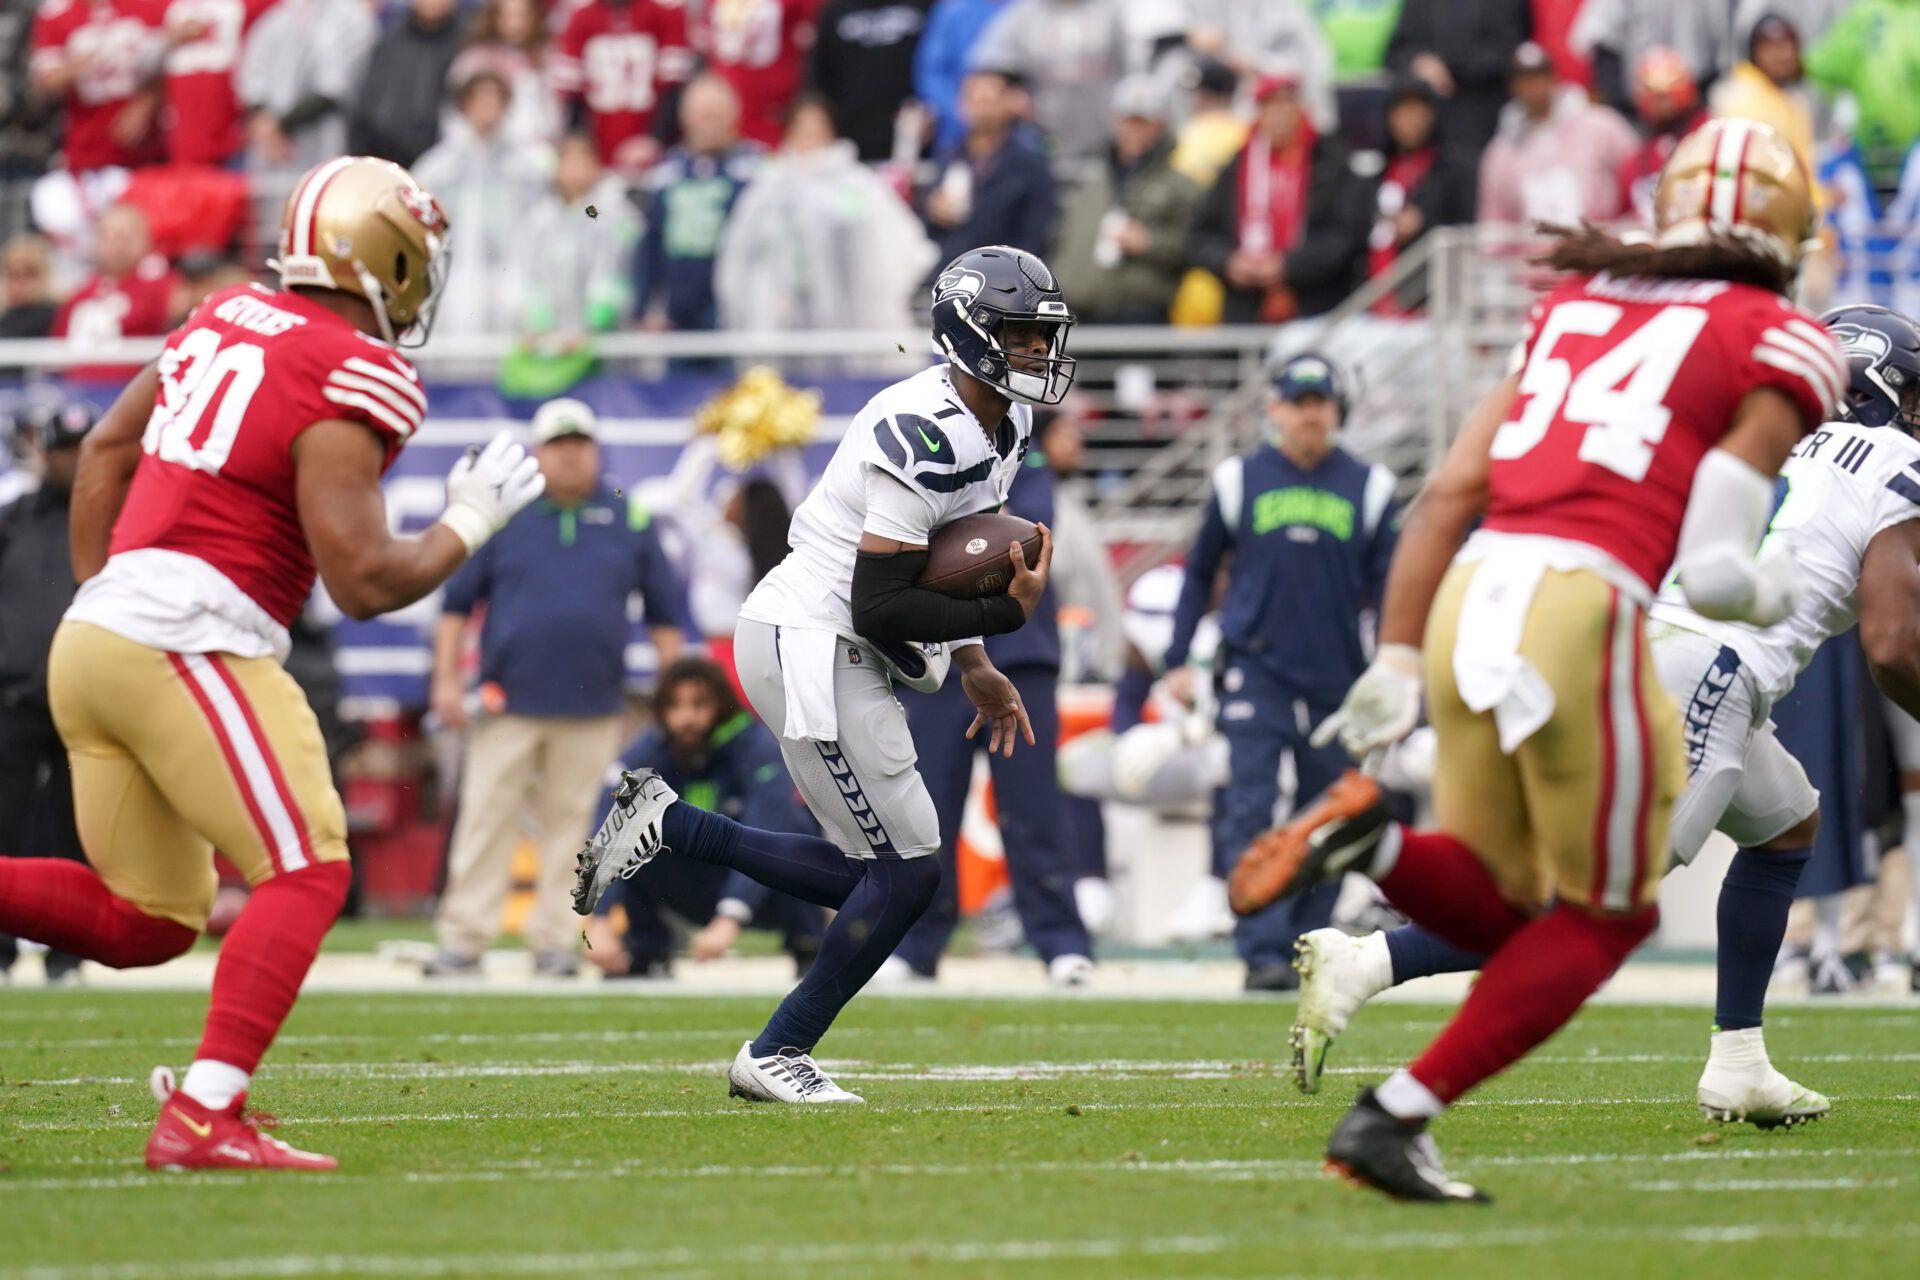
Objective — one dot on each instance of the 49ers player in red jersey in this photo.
(1656, 395)
(243, 460)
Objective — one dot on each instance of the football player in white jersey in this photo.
(825, 635)
(1848, 512)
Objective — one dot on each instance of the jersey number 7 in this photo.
(1622, 423)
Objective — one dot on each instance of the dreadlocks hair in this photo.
(1587, 250)
(697, 670)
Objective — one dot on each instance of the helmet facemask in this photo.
(1029, 379)
(415, 333)
(1034, 379)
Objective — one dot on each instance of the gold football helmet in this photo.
(1736, 178)
(365, 227)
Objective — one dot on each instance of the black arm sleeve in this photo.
(309, 109)
(888, 605)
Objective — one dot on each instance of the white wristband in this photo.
(470, 526)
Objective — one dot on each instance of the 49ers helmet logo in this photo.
(424, 208)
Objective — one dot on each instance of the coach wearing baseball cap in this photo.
(555, 585)
(1304, 521)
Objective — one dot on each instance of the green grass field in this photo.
(580, 1136)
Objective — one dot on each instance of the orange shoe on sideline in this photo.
(190, 1136)
(1336, 834)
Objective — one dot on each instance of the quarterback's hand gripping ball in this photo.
(489, 487)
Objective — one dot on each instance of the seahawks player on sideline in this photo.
(1849, 508)
(826, 633)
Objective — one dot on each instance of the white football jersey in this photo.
(919, 432)
(1842, 486)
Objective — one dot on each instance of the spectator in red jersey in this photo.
(201, 120)
(1667, 101)
(302, 63)
(509, 38)
(1557, 155)
(28, 302)
(759, 47)
(100, 56)
(615, 64)
(396, 113)
(1285, 224)
(129, 295)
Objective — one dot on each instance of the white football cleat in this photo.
(1338, 974)
(786, 1076)
(1740, 1084)
(1070, 971)
(628, 840)
(1203, 914)
(895, 973)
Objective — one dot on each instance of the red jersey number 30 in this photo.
(204, 393)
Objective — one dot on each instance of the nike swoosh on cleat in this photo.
(200, 1130)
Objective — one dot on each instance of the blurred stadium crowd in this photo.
(787, 165)
(783, 164)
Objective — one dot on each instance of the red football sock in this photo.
(1438, 883)
(69, 908)
(265, 957)
(1528, 989)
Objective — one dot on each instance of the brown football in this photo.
(968, 559)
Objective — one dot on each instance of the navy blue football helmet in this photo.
(1883, 366)
(982, 291)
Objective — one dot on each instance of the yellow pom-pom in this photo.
(757, 415)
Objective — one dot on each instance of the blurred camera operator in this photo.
(36, 582)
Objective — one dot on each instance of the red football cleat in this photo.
(189, 1136)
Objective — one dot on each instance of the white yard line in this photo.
(1300, 1169)
(964, 1251)
(1767, 1184)
(1118, 1069)
(609, 1036)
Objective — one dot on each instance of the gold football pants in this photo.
(1579, 811)
(177, 754)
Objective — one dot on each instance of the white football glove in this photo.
(488, 487)
(1382, 707)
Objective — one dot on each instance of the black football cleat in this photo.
(1372, 1147)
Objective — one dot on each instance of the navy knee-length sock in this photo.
(1416, 953)
(890, 896)
(1754, 901)
(809, 868)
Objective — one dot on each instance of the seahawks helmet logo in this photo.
(962, 284)
(1858, 340)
